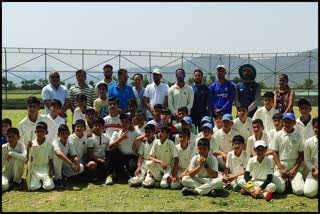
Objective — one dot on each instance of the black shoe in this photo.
(187, 191)
(58, 184)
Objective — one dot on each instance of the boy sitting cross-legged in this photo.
(202, 177)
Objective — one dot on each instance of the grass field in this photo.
(96, 197)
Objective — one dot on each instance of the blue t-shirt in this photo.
(221, 96)
(123, 94)
(199, 108)
(247, 92)
(3, 139)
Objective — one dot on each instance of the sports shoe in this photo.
(148, 183)
(109, 180)
(236, 188)
(187, 191)
(267, 196)
(58, 184)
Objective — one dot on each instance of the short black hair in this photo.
(150, 127)
(302, 102)
(139, 75)
(107, 66)
(314, 121)
(90, 110)
(81, 97)
(125, 116)
(243, 106)
(185, 131)
(164, 127)
(13, 131)
(238, 138)
(140, 113)
(157, 106)
(165, 111)
(63, 127)
(7, 121)
(42, 125)
(258, 121)
(268, 94)
(198, 70)
(217, 114)
(98, 120)
(122, 70)
(80, 122)
(113, 99)
(56, 102)
(204, 142)
(183, 109)
(102, 85)
(132, 101)
(33, 100)
(81, 71)
(277, 116)
(285, 76)
(180, 69)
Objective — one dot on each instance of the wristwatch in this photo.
(206, 166)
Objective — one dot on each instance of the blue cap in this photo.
(208, 125)
(187, 119)
(289, 115)
(227, 117)
(206, 118)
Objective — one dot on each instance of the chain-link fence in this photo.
(30, 67)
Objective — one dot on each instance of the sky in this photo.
(217, 28)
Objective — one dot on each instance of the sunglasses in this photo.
(57, 77)
(181, 74)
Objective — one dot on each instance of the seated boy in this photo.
(6, 124)
(98, 151)
(186, 123)
(141, 122)
(304, 122)
(62, 147)
(143, 152)
(277, 122)
(236, 163)
(54, 110)
(80, 111)
(112, 121)
(217, 121)
(311, 161)
(224, 137)
(266, 112)
(182, 113)
(161, 159)
(208, 134)
(202, 176)
(41, 154)
(156, 115)
(14, 156)
(100, 105)
(258, 176)
(122, 153)
(165, 118)
(91, 115)
(243, 123)
(287, 149)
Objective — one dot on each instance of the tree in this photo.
(212, 79)
(69, 85)
(190, 80)
(145, 81)
(29, 84)
(62, 83)
(308, 84)
(91, 82)
(42, 83)
(236, 80)
(262, 85)
(115, 78)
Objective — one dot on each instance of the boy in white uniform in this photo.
(207, 132)
(141, 122)
(91, 115)
(14, 156)
(112, 121)
(80, 111)
(61, 149)
(218, 122)
(258, 176)
(266, 112)
(224, 136)
(304, 122)
(161, 158)
(243, 123)
(236, 164)
(287, 148)
(311, 161)
(143, 152)
(54, 109)
(277, 122)
(41, 153)
(27, 126)
(202, 176)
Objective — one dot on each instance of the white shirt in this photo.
(272, 133)
(49, 92)
(211, 161)
(180, 97)
(144, 149)
(41, 155)
(65, 149)
(215, 129)
(125, 146)
(259, 171)
(185, 155)
(311, 152)
(27, 129)
(77, 114)
(192, 140)
(58, 121)
(214, 145)
(225, 140)
(79, 144)
(164, 152)
(102, 81)
(244, 129)
(266, 117)
(110, 124)
(19, 152)
(287, 144)
(252, 139)
(156, 94)
(100, 145)
(237, 164)
(305, 131)
(140, 130)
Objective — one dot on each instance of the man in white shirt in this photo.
(107, 72)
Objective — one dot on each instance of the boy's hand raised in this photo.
(202, 161)
(124, 135)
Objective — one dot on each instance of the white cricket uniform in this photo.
(266, 117)
(77, 115)
(192, 140)
(110, 124)
(305, 131)
(13, 168)
(185, 156)
(311, 161)
(58, 121)
(252, 139)
(140, 130)
(225, 143)
(244, 129)
(40, 155)
(288, 146)
(27, 129)
(165, 152)
(259, 172)
(272, 133)
(125, 146)
(237, 164)
(180, 97)
(203, 182)
(215, 129)
(214, 145)
(100, 145)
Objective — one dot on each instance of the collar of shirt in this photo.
(77, 85)
(125, 87)
(155, 85)
(62, 144)
(286, 133)
(255, 160)
(299, 121)
(54, 87)
(266, 111)
(176, 86)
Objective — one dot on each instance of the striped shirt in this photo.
(88, 90)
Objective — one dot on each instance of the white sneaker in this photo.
(109, 180)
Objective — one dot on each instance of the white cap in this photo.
(221, 66)
(260, 143)
(156, 71)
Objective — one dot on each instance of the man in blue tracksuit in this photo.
(221, 92)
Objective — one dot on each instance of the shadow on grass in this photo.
(279, 196)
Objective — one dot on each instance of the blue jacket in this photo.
(247, 92)
(221, 96)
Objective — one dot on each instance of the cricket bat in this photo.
(29, 165)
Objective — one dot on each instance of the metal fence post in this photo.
(6, 70)
(82, 59)
(119, 59)
(45, 64)
(275, 71)
(150, 65)
(309, 85)
(182, 61)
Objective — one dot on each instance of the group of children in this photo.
(269, 153)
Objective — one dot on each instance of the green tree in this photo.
(69, 85)
(62, 83)
(212, 79)
(308, 84)
(262, 85)
(42, 83)
(115, 78)
(190, 80)
(236, 80)
(91, 82)
(29, 84)
(145, 81)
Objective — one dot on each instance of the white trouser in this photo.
(41, 173)
(14, 171)
(271, 187)
(202, 185)
(159, 174)
(311, 186)
(296, 182)
(67, 170)
(177, 184)
(140, 177)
